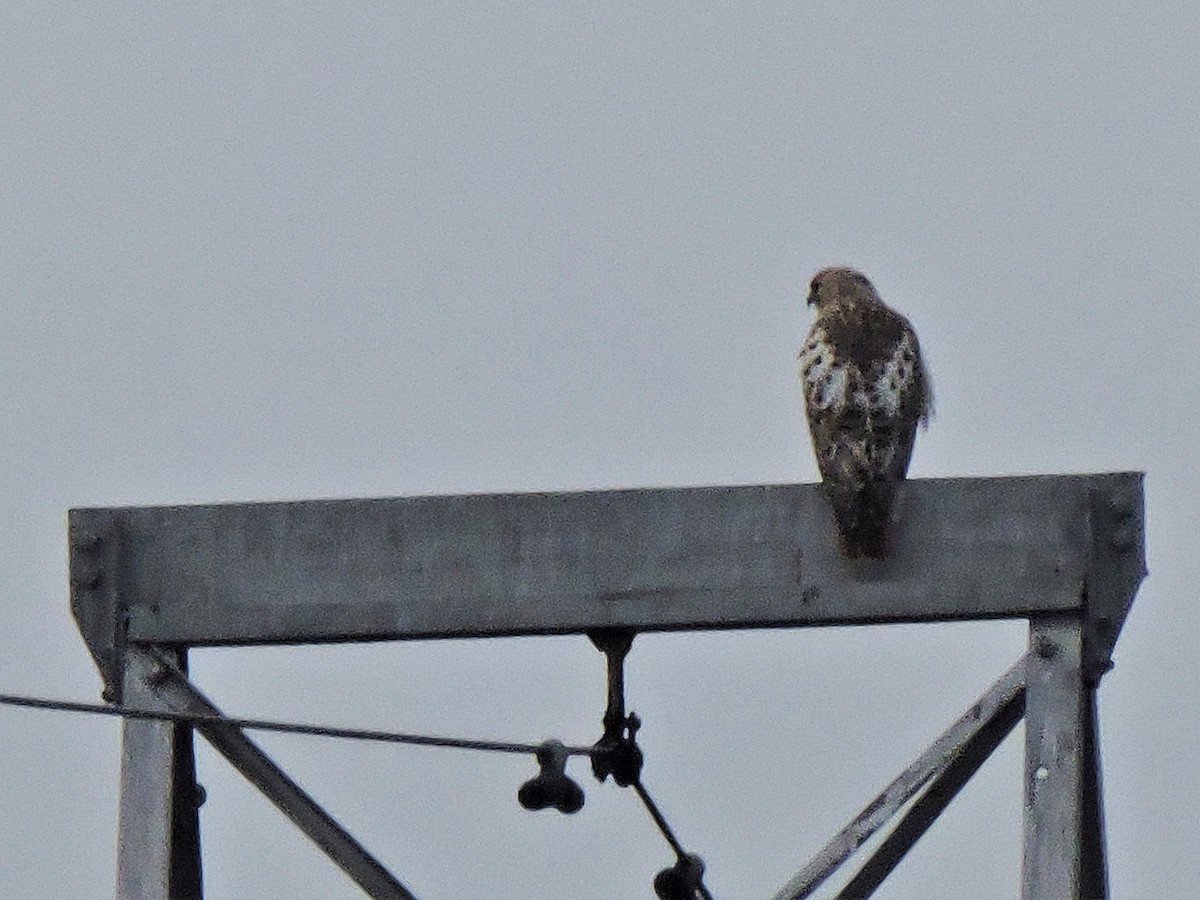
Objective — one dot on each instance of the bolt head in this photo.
(1122, 503)
(1123, 537)
(1045, 648)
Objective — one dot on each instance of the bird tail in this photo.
(864, 519)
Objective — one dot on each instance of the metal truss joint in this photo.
(96, 602)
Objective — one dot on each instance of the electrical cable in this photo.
(657, 816)
(358, 734)
(665, 828)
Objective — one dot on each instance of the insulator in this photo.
(551, 787)
(682, 880)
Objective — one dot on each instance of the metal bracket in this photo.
(1116, 565)
(96, 597)
(617, 753)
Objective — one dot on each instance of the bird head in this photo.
(838, 284)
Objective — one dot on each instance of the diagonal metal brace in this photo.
(171, 690)
(933, 802)
(995, 707)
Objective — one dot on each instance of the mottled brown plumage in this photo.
(865, 390)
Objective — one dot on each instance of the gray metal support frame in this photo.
(161, 685)
(982, 726)
(1055, 718)
(1064, 854)
(1065, 552)
(158, 830)
(511, 564)
(933, 802)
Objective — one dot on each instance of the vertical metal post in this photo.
(158, 836)
(1095, 855)
(1055, 709)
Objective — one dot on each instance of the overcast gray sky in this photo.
(275, 251)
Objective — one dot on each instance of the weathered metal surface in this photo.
(991, 716)
(1065, 551)
(150, 866)
(96, 597)
(173, 691)
(1054, 749)
(1116, 566)
(549, 563)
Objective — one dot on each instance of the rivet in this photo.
(1123, 537)
(159, 674)
(86, 575)
(1045, 647)
(1121, 503)
(88, 542)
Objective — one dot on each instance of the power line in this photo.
(357, 734)
(659, 819)
(331, 731)
(665, 828)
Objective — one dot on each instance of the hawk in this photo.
(865, 391)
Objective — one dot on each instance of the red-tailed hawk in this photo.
(865, 390)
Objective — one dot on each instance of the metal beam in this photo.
(933, 801)
(510, 564)
(1055, 705)
(172, 691)
(994, 713)
(158, 830)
